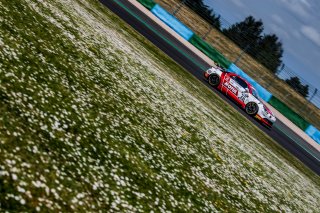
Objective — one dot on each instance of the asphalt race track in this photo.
(195, 65)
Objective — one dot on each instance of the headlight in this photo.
(265, 112)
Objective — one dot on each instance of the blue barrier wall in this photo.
(313, 133)
(172, 22)
(263, 93)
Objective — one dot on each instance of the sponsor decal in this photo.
(258, 117)
(231, 88)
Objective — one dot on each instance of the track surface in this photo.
(195, 65)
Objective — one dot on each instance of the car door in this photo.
(242, 88)
(229, 86)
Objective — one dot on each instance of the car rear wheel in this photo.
(252, 108)
(214, 80)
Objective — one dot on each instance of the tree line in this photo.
(248, 35)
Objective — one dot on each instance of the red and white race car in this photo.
(242, 92)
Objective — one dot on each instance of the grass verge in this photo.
(94, 117)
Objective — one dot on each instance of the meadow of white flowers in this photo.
(94, 118)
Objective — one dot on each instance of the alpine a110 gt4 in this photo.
(241, 91)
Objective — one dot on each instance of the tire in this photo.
(214, 80)
(252, 108)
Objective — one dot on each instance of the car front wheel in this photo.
(252, 108)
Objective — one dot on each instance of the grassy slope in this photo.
(95, 117)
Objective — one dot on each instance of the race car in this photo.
(242, 92)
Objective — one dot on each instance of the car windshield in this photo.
(254, 93)
(240, 82)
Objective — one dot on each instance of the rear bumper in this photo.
(206, 75)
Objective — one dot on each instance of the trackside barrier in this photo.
(289, 113)
(172, 22)
(313, 133)
(263, 93)
(147, 3)
(216, 56)
(208, 50)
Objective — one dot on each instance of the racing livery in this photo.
(242, 92)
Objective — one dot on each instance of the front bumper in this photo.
(265, 121)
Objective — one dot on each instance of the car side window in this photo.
(240, 82)
(254, 93)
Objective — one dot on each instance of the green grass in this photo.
(94, 117)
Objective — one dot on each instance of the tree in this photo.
(245, 34)
(295, 83)
(203, 11)
(269, 52)
(266, 49)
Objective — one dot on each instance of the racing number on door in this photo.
(243, 97)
